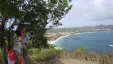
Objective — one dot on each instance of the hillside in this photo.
(82, 29)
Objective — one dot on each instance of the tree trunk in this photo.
(4, 50)
(9, 40)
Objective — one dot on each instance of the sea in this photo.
(99, 42)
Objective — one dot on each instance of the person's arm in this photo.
(21, 59)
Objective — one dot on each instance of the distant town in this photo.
(55, 33)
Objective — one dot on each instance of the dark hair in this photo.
(18, 31)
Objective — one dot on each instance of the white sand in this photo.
(52, 42)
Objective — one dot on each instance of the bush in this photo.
(33, 51)
(80, 53)
(44, 54)
(38, 55)
(51, 46)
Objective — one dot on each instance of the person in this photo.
(20, 49)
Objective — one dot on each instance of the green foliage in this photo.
(37, 14)
(81, 49)
(10, 8)
(0, 56)
(44, 54)
(51, 46)
(80, 54)
(33, 51)
(43, 13)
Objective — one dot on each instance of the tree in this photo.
(37, 14)
(8, 9)
(41, 13)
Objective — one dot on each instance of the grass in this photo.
(43, 55)
(80, 54)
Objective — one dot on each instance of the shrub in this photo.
(0, 56)
(106, 59)
(80, 54)
(44, 54)
(38, 55)
(33, 51)
(51, 46)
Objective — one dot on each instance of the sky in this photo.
(89, 13)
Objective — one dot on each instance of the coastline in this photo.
(83, 33)
(89, 32)
(54, 41)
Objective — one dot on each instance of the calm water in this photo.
(100, 42)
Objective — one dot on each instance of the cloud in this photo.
(91, 10)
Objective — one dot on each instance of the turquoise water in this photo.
(100, 42)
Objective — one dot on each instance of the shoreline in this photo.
(90, 32)
(54, 41)
(83, 33)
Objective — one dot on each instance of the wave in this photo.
(111, 45)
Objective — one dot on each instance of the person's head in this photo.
(21, 32)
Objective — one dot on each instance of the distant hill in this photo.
(82, 29)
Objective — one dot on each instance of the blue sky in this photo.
(89, 13)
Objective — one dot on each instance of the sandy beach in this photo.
(52, 42)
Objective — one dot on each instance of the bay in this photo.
(99, 42)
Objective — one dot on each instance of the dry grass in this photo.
(75, 61)
(81, 54)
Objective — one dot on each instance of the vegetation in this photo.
(82, 29)
(35, 14)
(80, 54)
(0, 56)
(43, 55)
(37, 55)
